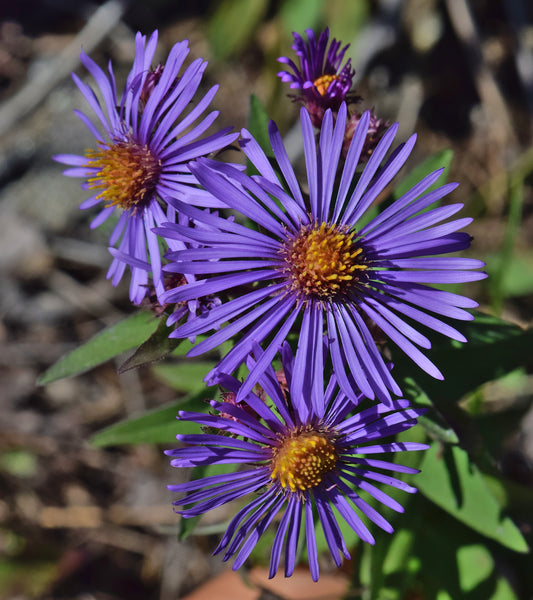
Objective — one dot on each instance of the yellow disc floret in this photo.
(322, 83)
(302, 460)
(127, 174)
(323, 261)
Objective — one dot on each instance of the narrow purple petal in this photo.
(102, 217)
(208, 481)
(352, 160)
(365, 508)
(280, 536)
(272, 349)
(383, 178)
(368, 173)
(250, 543)
(353, 520)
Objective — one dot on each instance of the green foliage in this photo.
(184, 376)
(345, 20)
(510, 276)
(158, 426)
(107, 344)
(501, 276)
(475, 565)
(432, 556)
(19, 463)
(233, 25)
(258, 125)
(455, 484)
(15, 582)
(156, 347)
(299, 15)
(495, 347)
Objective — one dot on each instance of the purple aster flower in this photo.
(320, 79)
(296, 461)
(306, 266)
(144, 140)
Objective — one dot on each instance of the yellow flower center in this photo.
(323, 82)
(323, 261)
(303, 459)
(127, 174)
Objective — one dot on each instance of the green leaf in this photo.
(399, 552)
(156, 347)
(158, 426)
(438, 432)
(372, 561)
(233, 25)
(107, 344)
(475, 565)
(14, 580)
(494, 348)
(438, 554)
(345, 20)
(506, 250)
(187, 526)
(186, 345)
(455, 484)
(434, 162)
(434, 425)
(19, 463)
(512, 275)
(186, 376)
(299, 15)
(503, 591)
(258, 125)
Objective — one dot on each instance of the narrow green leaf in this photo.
(496, 283)
(438, 432)
(375, 555)
(434, 425)
(158, 426)
(299, 15)
(107, 344)
(345, 20)
(510, 275)
(187, 527)
(186, 376)
(258, 125)
(455, 484)
(156, 347)
(399, 552)
(233, 25)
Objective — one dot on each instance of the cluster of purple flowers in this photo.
(298, 279)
